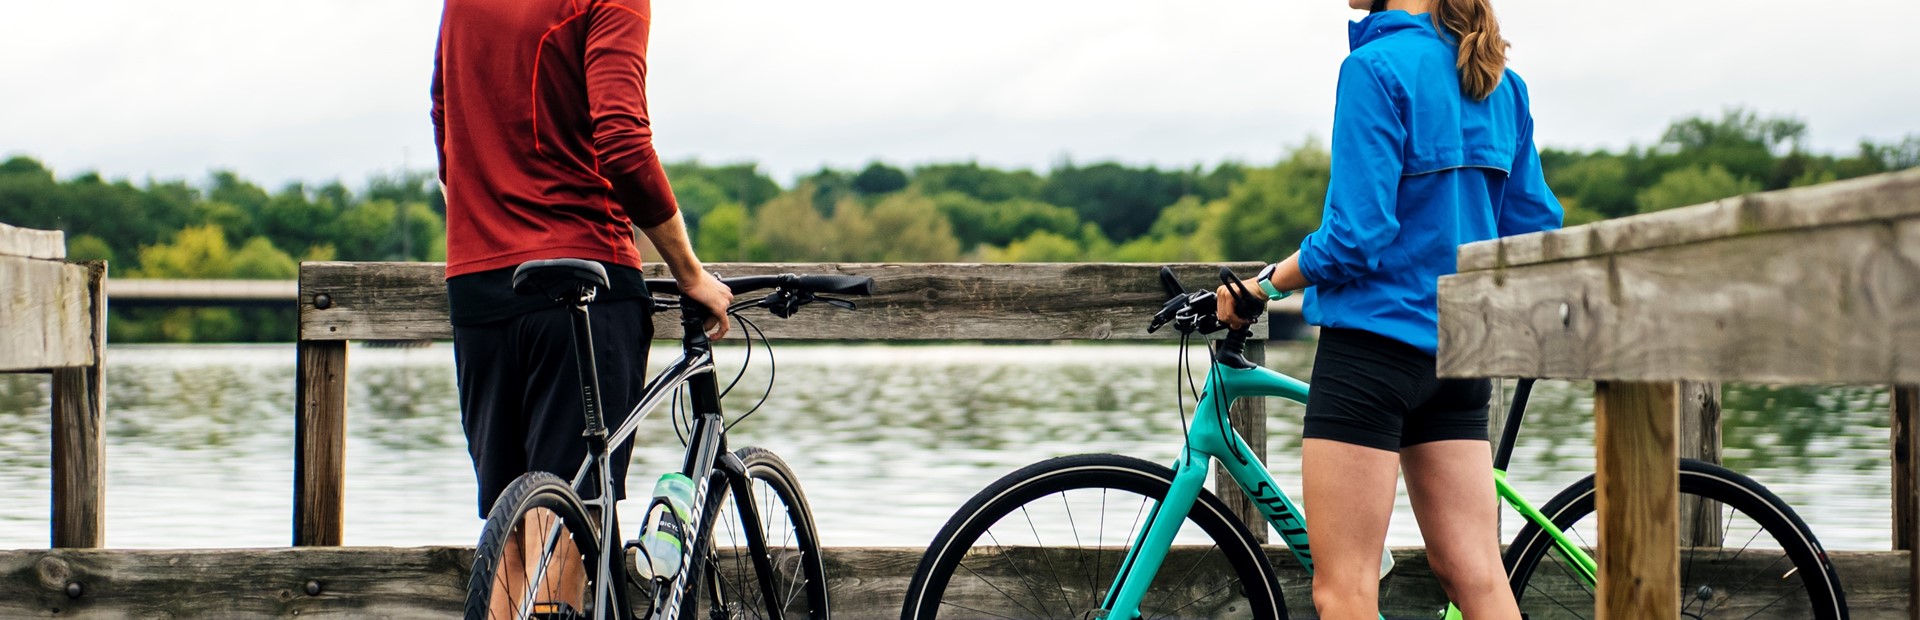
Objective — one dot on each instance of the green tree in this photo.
(88, 247)
(788, 228)
(976, 222)
(983, 184)
(196, 252)
(1040, 247)
(259, 260)
(1601, 183)
(1188, 231)
(722, 234)
(905, 227)
(1692, 186)
(878, 179)
(1269, 212)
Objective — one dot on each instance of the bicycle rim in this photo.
(537, 555)
(761, 550)
(1048, 541)
(1747, 556)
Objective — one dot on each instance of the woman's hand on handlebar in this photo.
(1224, 309)
(713, 295)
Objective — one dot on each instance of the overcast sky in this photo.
(328, 89)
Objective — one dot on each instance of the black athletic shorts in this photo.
(1373, 391)
(520, 392)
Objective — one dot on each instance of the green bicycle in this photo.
(1110, 536)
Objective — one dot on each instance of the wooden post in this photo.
(1700, 520)
(1638, 482)
(79, 447)
(1248, 416)
(1906, 501)
(320, 438)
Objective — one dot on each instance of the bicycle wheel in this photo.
(1047, 541)
(1755, 557)
(537, 556)
(762, 554)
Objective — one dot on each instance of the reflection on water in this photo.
(888, 441)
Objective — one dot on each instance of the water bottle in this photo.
(1386, 562)
(664, 535)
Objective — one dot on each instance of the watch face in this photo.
(1267, 273)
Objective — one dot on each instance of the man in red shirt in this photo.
(546, 151)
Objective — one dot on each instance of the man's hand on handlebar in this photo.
(713, 295)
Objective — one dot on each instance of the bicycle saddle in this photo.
(558, 275)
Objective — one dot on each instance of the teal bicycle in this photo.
(1110, 536)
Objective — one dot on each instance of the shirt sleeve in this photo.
(439, 113)
(1359, 220)
(1528, 206)
(616, 76)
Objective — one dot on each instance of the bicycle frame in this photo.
(1210, 438)
(706, 459)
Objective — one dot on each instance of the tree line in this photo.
(229, 227)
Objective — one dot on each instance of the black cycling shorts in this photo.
(520, 393)
(1373, 391)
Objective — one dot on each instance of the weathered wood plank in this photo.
(1079, 301)
(1866, 199)
(31, 243)
(79, 441)
(1906, 473)
(422, 582)
(1248, 416)
(1639, 483)
(1826, 305)
(1906, 326)
(320, 441)
(45, 308)
(251, 583)
(1700, 519)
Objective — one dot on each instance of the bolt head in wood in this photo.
(323, 301)
(74, 590)
(1566, 314)
(313, 588)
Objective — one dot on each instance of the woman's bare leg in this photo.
(1349, 501)
(1450, 484)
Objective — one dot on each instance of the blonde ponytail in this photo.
(1483, 54)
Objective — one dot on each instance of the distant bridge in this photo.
(133, 292)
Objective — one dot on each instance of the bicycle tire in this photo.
(1705, 592)
(531, 492)
(753, 560)
(1257, 594)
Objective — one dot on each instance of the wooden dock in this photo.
(430, 582)
(1811, 285)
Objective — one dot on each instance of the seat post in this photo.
(582, 342)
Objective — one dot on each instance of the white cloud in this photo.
(283, 91)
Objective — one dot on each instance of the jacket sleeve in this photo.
(439, 113)
(1528, 206)
(1360, 217)
(616, 77)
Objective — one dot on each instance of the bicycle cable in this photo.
(773, 370)
(1179, 398)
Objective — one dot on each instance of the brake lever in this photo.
(843, 304)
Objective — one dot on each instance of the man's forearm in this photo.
(670, 238)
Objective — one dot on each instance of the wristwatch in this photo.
(1266, 283)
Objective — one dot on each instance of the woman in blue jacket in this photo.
(1432, 148)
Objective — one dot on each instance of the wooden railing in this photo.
(970, 302)
(1810, 285)
(53, 319)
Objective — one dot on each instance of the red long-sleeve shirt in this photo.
(540, 118)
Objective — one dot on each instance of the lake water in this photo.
(887, 440)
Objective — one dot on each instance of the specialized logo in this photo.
(1291, 524)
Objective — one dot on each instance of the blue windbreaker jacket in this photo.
(1418, 170)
